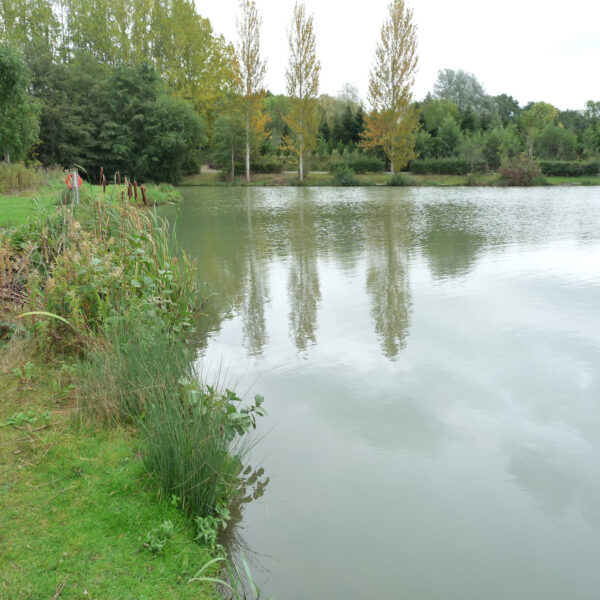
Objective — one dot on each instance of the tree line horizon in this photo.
(146, 87)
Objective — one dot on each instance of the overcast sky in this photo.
(530, 49)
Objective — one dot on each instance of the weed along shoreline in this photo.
(118, 465)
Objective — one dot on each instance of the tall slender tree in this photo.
(252, 72)
(393, 120)
(302, 79)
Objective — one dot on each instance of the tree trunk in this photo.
(301, 165)
(247, 162)
(392, 166)
(232, 164)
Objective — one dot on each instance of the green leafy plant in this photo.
(207, 529)
(157, 538)
(26, 418)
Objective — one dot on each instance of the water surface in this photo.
(430, 363)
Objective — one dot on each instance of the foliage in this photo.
(398, 180)
(449, 136)
(471, 149)
(521, 171)
(157, 538)
(436, 110)
(344, 175)
(533, 120)
(251, 71)
(302, 82)
(207, 529)
(445, 166)
(361, 162)
(19, 113)
(555, 141)
(459, 87)
(570, 168)
(500, 144)
(393, 119)
(122, 119)
(193, 443)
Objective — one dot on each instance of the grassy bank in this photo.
(47, 192)
(78, 505)
(118, 463)
(326, 179)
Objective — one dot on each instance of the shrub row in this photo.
(361, 163)
(564, 168)
(445, 166)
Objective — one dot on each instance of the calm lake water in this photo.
(430, 361)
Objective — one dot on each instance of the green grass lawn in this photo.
(77, 504)
(15, 209)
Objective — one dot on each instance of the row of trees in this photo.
(142, 83)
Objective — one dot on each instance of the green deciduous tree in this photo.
(449, 136)
(19, 112)
(533, 120)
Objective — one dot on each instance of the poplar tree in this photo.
(302, 79)
(252, 72)
(393, 120)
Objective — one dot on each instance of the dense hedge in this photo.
(264, 164)
(362, 163)
(563, 168)
(445, 166)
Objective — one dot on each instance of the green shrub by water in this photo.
(399, 180)
(343, 175)
(521, 171)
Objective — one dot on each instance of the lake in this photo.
(430, 362)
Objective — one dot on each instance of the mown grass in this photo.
(16, 209)
(326, 179)
(77, 502)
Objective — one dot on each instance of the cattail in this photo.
(119, 177)
(104, 183)
(144, 197)
(135, 188)
(101, 175)
(129, 190)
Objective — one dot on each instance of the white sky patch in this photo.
(530, 49)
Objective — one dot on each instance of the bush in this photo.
(360, 163)
(445, 166)
(557, 168)
(521, 171)
(363, 163)
(343, 175)
(398, 180)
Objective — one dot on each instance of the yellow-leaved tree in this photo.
(302, 79)
(252, 72)
(393, 120)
